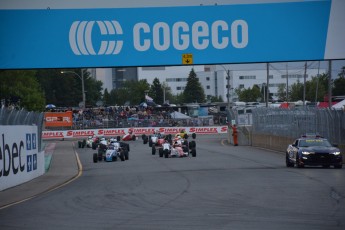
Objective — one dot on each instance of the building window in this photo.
(207, 78)
(208, 87)
(294, 76)
(247, 77)
(241, 86)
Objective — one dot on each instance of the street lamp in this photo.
(82, 83)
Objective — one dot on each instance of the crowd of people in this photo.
(134, 116)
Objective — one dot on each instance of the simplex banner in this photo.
(149, 36)
(136, 131)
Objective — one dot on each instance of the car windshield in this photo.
(314, 142)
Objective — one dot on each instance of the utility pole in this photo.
(268, 82)
(228, 88)
(330, 84)
(304, 83)
(317, 83)
(287, 83)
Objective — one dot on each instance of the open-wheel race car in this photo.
(111, 151)
(127, 137)
(179, 147)
(155, 141)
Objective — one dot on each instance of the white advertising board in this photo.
(20, 159)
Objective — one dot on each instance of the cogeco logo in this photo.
(80, 37)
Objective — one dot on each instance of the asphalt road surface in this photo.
(224, 187)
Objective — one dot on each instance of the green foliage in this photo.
(156, 92)
(106, 97)
(248, 95)
(132, 92)
(65, 89)
(193, 91)
(21, 88)
(282, 93)
(339, 84)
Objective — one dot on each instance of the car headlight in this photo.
(306, 153)
(336, 153)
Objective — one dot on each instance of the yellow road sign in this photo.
(187, 59)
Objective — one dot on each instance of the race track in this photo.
(224, 187)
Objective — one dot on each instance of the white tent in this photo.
(178, 115)
(339, 105)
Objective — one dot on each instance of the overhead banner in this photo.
(66, 38)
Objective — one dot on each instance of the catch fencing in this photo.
(289, 124)
(23, 117)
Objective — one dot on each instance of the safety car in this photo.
(313, 150)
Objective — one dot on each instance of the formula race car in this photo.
(313, 150)
(178, 148)
(128, 137)
(111, 151)
(156, 141)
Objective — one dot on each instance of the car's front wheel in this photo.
(289, 164)
(298, 162)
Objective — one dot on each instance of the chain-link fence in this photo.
(292, 123)
(22, 117)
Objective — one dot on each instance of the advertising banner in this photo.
(20, 159)
(136, 131)
(58, 119)
(150, 36)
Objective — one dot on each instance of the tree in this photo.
(282, 93)
(65, 90)
(339, 84)
(296, 91)
(248, 95)
(106, 97)
(314, 88)
(193, 91)
(156, 91)
(132, 92)
(21, 88)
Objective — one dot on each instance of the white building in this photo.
(213, 78)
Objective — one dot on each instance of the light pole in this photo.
(227, 85)
(264, 86)
(82, 83)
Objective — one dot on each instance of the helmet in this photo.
(130, 131)
(102, 139)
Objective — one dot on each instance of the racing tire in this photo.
(186, 136)
(166, 153)
(153, 149)
(122, 155)
(94, 146)
(79, 144)
(134, 138)
(95, 158)
(193, 152)
(126, 155)
(160, 152)
(298, 163)
(193, 135)
(192, 144)
(150, 142)
(118, 138)
(144, 138)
